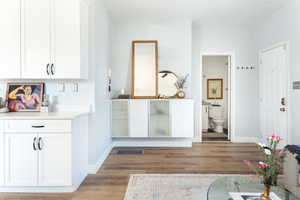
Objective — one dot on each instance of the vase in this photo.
(266, 194)
(180, 94)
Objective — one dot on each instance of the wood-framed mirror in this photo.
(144, 69)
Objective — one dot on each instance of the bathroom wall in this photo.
(215, 67)
(216, 37)
(174, 41)
(282, 26)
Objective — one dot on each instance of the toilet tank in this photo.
(215, 112)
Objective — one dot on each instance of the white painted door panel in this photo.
(10, 57)
(55, 159)
(21, 160)
(182, 116)
(1, 158)
(66, 38)
(273, 88)
(138, 118)
(36, 38)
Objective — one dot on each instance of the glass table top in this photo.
(220, 189)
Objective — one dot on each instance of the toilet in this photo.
(216, 117)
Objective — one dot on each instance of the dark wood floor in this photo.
(111, 181)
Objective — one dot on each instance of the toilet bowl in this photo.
(216, 117)
(218, 125)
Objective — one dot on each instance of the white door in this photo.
(10, 59)
(21, 160)
(54, 159)
(274, 93)
(138, 118)
(66, 39)
(182, 116)
(36, 38)
(1, 158)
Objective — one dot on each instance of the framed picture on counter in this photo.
(24, 97)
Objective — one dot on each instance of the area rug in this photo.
(169, 186)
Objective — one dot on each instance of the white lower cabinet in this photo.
(37, 159)
(138, 118)
(54, 160)
(21, 159)
(1, 157)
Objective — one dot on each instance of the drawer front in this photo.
(37, 126)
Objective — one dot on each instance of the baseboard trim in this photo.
(94, 168)
(153, 143)
(246, 140)
(63, 189)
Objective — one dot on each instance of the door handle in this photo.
(34, 141)
(40, 144)
(47, 69)
(41, 126)
(52, 69)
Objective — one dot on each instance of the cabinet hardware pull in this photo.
(47, 69)
(52, 69)
(42, 126)
(40, 144)
(34, 141)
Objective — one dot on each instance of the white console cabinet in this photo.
(140, 118)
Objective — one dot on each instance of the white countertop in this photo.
(40, 115)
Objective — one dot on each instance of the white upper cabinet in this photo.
(10, 57)
(36, 38)
(66, 56)
(44, 39)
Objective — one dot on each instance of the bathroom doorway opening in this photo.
(216, 119)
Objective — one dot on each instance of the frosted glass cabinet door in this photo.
(159, 119)
(120, 119)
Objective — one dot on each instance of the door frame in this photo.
(231, 89)
(286, 45)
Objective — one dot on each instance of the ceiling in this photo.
(237, 11)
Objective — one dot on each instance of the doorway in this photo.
(216, 97)
(274, 79)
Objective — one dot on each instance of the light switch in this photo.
(296, 85)
(60, 87)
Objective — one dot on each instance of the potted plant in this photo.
(271, 164)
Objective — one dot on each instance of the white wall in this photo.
(174, 40)
(284, 25)
(215, 67)
(219, 38)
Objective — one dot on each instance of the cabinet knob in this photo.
(40, 126)
(34, 142)
(40, 144)
(47, 69)
(52, 69)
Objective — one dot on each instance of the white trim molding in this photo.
(245, 139)
(94, 168)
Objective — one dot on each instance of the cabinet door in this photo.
(54, 159)
(36, 38)
(1, 158)
(138, 118)
(159, 122)
(10, 33)
(182, 116)
(66, 39)
(119, 119)
(21, 160)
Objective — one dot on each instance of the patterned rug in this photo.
(169, 187)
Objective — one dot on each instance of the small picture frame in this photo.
(214, 88)
(24, 97)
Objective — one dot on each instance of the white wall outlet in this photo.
(75, 87)
(60, 87)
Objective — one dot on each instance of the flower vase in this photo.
(266, 194)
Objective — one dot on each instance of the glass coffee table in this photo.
(220, 189)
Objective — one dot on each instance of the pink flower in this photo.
(263, 165)
(278, 138)
(280, 153)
